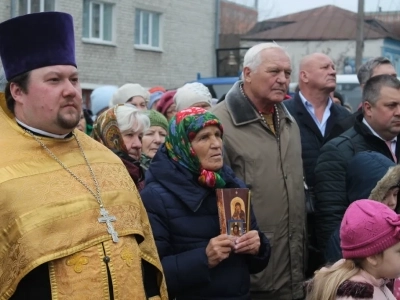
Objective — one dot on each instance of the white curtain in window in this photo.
(107, 22)
(23, 7)
(95, 21)
(137, 27)
(35, 6)
(49, 5)
(155, 32)
(145, 28)
(86, 18)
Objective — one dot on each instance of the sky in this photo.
(275, 8)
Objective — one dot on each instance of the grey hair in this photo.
(3, 80)
(367, 69)
(252, 57)
(373, 86)
(130, 118)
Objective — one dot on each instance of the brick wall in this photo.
(188, 43)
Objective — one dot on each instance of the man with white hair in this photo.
(262, 146)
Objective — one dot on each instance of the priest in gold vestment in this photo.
(72, 222)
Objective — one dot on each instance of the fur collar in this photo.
(391, 179)
(358, 290)
(242, 111)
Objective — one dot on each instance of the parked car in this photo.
(218, 86)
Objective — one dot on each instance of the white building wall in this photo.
(188, 43)
(337, 50)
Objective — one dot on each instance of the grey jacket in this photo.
(272, 168)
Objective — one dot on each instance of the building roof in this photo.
(322, 23)
(236, 18)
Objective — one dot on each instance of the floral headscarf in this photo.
(106, 131)
(182, 129)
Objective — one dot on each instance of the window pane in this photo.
(49, 5)
(107, 22)
(35, 6)
(22, 10)
(137, 27)
(95, 20)
(86, 20)
(155, 34)
(145, 30)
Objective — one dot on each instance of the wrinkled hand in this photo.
(218, 249)
(248, 243)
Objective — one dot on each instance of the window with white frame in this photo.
(147, 29)
(35, 6)
(98, 19)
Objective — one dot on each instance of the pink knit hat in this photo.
(368, 228)
(167, 99)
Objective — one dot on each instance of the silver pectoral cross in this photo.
(106, 218)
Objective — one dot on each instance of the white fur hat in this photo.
(127, 91)
(190, 94)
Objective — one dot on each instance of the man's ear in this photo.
(247, 74)
(366, 107)
(16, 92)
(303, 76)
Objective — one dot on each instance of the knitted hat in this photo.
(157, 119)
(154, 97)
(157, 89)
(127, 91)
(100, 98)
(190, 94)
(165, 102)
(368, 228)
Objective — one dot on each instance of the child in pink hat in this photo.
(370, 242)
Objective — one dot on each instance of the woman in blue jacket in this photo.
(180, 198)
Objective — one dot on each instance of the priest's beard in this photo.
(68, 121)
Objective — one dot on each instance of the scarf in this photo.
(183, 128)
(106, 131)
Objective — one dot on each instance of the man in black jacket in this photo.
(376, 129)
(316, 114)
(375, 66)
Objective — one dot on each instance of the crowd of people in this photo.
(119, 200)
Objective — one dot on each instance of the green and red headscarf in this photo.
(183, 128)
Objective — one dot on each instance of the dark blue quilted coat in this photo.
(184, 217)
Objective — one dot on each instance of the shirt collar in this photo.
(41, 132)
(309, 104)
(394, 140)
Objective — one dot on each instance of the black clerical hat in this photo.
(36, 40)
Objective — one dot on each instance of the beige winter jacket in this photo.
(272, 168)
